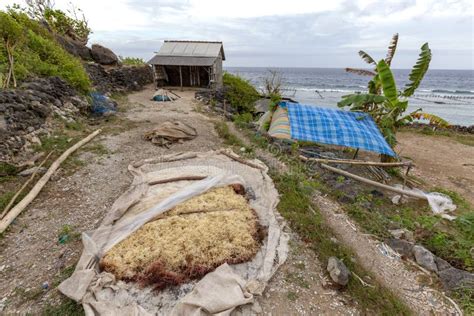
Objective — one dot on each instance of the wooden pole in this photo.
(374, 183)
(14, 212)
(190, 76)
(358, 162)
(180, 78)
(198, 75)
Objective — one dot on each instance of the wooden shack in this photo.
(189, 64)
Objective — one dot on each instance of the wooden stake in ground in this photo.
(14, 212)
(23, 187)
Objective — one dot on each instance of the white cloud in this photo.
(288, 33)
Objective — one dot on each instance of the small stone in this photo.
(425, 258)
(242, 149)
(29, 172)
(402, 233)
(338, 271)
(45, 285)
(403, 247)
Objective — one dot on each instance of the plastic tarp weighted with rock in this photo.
(160, 184)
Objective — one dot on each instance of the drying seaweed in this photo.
(189, 240)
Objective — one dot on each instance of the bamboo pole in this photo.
(374, 183)
(358, 162)
(14, 212)
(23, 187)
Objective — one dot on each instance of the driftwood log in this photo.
(14, 212)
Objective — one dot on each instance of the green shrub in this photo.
(243, 119)
(132, 61)
(240, 93)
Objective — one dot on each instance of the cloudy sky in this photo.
(282, 33)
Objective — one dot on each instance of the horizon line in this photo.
(313, 67)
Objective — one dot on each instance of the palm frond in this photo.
(362, 72)
(418, 71)
(391, 49)
(366, 57)
(433, 119)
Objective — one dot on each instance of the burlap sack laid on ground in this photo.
(228, 289)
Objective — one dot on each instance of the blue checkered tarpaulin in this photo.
(335, 127)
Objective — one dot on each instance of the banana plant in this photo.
(383, 101)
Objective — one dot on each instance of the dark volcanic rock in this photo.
(24, 112)
(120, 79)
(103, 55)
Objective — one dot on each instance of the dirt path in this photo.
(448, 164)
(32, 258)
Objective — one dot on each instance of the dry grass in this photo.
(188, 241)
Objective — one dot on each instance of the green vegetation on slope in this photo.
(38, 54)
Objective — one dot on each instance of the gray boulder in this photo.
(425, 258)
(453, 278)
(104, 56)
(74, 47)
(338, 271)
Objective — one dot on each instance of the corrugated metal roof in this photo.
(182, 61)
(191, 48)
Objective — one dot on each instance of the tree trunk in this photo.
(10, 65)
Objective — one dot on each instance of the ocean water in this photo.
(446, 93)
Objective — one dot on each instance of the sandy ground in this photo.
(31, 257)
(440, 161)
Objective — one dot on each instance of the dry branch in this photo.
(14, 212)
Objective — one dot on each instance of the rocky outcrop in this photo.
(119, 79)
(24, 112)
(74, 47)
(104, 56)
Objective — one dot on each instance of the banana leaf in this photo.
(360, 99)
(418, 71)
(388, 82)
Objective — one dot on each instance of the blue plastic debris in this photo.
(161, 98)
(102, 104)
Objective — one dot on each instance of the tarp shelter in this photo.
(332, 127)
(189, 64)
